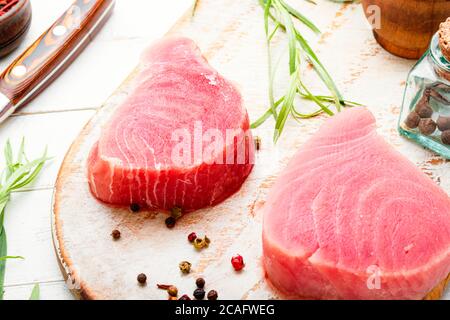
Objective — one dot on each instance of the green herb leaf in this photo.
(18, 173)
(36, 293)
(3, 252)
(283, 16)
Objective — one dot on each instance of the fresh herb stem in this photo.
(36, 293)
(17, 174)
(283, 16)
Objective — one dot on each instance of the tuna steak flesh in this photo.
(351, 218)
(180, 139)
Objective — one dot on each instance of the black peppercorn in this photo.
(412, 121)
(443, 123)
(212, 295)
(199, 294)
(142, 278)
(424, 110)
(445, 137)
(170, 222)
(427, 126)
(134, 207)
(185, 298)
(200, 282)
(115, 234)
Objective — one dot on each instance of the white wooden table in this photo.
(57, 116)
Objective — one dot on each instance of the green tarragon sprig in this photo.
(283, 17)
(18, 173)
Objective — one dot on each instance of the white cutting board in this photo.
(230, 34)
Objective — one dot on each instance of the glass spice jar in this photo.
(425, 115)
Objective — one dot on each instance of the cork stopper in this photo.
(444, 38)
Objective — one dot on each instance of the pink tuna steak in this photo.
(180, 139)
(351, 218)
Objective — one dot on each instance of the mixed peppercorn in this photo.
(185, 266)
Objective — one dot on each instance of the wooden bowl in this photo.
(14, 25)
(407, 26)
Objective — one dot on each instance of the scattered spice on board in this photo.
(212, 295)
(176, 212)
(134, 207)
(115, 234)
(185, 267)
(171, 222)
(184, 297)
(192, 237)
(142, 278)
(199, 294)
(200, 243)
(172, 291)
(200, 283)
(238, 262)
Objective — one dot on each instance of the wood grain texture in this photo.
(53, 51)
(106, 269)
(407, 26)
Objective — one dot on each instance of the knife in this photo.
(51, 53)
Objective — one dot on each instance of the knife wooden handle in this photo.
(54, 50)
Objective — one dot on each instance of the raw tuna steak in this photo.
(180, 139)
(351, 218)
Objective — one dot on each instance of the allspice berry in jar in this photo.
(427, 126)
(443, 123)
(425, 114)
(412, 121)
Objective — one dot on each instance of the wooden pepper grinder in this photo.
(406, 26)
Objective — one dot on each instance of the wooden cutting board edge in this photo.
(76, 285)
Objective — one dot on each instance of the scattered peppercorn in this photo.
(199, 294)
(237, 262)
(172, 291)
(134, 207)
(185, 298)
(423, 109)
(200, 282)
(185, 267)
(212, 295)
(443, 123)
(257, 143)
(412, 121)
(445, 137)
(170, 222)
(142, 278)
(192, 237)
(176, 212)
(427, 126)
(199, 243)
(115, 234)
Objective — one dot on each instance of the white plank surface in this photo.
(56, 117)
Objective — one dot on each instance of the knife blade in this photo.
(51, 53)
